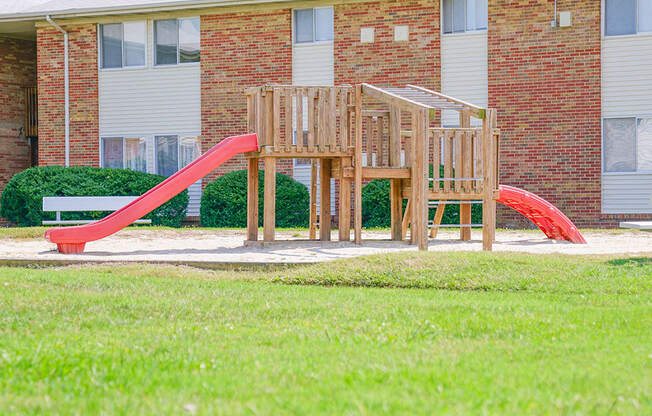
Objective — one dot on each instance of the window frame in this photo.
(100, 58)
(603, 26)
(602, 146)
(314, 27)
(124, 138)
(154, 45)
(466, 32)
(178, 136)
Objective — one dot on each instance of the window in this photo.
(459, 16)
(124, 152)
(627, 17)
(175, 152)
(627, 144)
(122, 44)
(176, 41)
(313, 25)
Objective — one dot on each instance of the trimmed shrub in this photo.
(22, 198)
(224, 202)
(376, 210)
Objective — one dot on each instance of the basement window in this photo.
(177, 41)
(460, 16)
(122, 44)
(627, 17)
(313, 25)
(627, 144)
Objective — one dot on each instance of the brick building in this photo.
(154, 83)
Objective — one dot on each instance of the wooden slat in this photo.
(476, 111)
(258, 98)
(344, 121)
(394, 136)
(331, 120)
(458, 161)
(477, 160)
(436, 158)
(357, 219)
(268, 116)
(380, 127)
(276, 114)
(289, 93)
(370, 139)
(311, 119)
(448, 159)
(385, 173)
(391, 98)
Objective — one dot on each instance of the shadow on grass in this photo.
(638, 261)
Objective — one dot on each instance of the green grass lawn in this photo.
(408, 333)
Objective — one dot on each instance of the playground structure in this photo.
(366, 132)
(353, 134)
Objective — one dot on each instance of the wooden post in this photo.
(489, 204)
(313, 200)
(269, 199)
(419, 174)
(252, 200)
(467, 161)
(439, 214)
(357, 167)
(325, 199)
(406, 219)
(396, 188)
(344, 226)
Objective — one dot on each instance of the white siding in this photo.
(627, 76)
(312, 64)
(626, 194)
(464, 71)
(152, 101)
(626, 86)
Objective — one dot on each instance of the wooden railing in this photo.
(459, 151)
(323, 114)
(31, 112)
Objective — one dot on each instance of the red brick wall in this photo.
(84, 116)
(240, 50)
(17, 70)
(545, 84)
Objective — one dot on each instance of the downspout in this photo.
(66, 88)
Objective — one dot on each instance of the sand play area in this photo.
(226, 246)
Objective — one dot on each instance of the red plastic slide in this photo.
(72, 240)
(546, 216)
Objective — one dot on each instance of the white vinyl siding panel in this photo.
(626, 194)
(464, 72)
(626, 92)
(312, 64)
(627, 76)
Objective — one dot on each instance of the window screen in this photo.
(165, 34)
(459, 16)
(112, 152)
(189, 149)
(167, 155)
(134, 43)
(111, 45)
(324, 24)
(644, 144)
(189, 36)
(303, 25)
(620, 17)
(619, 144)
(136, 154)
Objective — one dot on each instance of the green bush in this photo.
(376, 206)
(22, 198)
(224, 202)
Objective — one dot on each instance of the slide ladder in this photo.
(546, 216)
(72, 240)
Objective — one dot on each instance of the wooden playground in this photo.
(364, 132)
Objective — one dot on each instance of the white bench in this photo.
(637, 225)
(61, 204)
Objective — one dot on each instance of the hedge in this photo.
(22, 198)
(376, 206)
(224, 202)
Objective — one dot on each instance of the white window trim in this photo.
(466, 32)
(123, 67)
(603, 25)
(124, 148)
(314, 28)
(178, 135)
(153, 34)
(602, 150)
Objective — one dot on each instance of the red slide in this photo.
(71, 240)
(546, 216)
